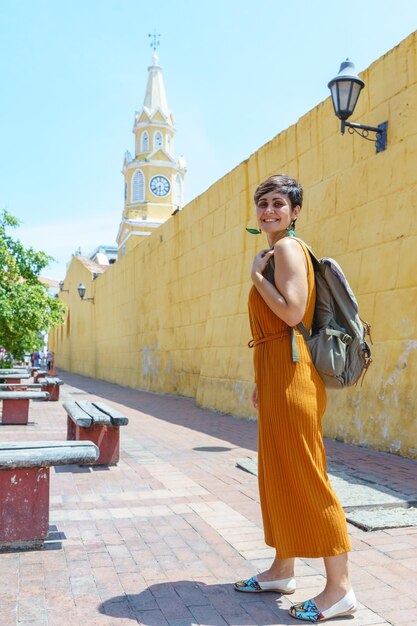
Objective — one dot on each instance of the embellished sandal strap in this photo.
(250, 583)
(306, 611)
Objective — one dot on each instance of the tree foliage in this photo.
(26, 308)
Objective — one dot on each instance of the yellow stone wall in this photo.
(170, 316)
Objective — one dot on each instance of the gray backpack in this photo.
(337, 340)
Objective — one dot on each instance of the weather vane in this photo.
(155, 43)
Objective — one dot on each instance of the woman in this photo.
(302, 516)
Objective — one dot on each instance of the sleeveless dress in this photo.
(302, 516)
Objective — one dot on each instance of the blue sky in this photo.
(237, 72)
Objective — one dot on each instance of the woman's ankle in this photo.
(276, 573)
(332, 593)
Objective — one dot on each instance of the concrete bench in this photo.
(39, 374)
(99, 423)
(19, 386)
(51, 384)
(14, 377)
(16, 405)
(24, 487)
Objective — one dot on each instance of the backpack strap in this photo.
(303, 330)
(294, 348)
(314, 259)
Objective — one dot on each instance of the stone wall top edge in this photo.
(408, 40)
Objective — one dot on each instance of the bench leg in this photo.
(106, 439)
(53, 391)
(24, 518)
(15, 411)
(71, 430)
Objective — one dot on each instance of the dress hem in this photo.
(310, 554)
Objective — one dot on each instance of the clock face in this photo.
(160, 185)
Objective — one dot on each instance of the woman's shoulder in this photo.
(288, 244)
(290, 251)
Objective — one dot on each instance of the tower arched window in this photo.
(168, 140)
(178, 190)
(144, 142)
(157, 140)
(138, 186)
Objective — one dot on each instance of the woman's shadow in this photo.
(189, 603)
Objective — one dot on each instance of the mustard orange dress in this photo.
(302, 516)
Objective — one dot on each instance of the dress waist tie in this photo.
(291, 331)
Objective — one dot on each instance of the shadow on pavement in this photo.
(190, 603)
(173, 409)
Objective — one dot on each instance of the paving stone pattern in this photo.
(367, 504)
(159, 539)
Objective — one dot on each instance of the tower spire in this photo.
(153, 178)
(155, 96)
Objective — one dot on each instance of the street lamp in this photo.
(81, 293)
(345, 89)
(61, 286)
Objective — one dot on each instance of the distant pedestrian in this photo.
(34, 358)
(49, 360)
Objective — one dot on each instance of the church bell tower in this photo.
(154, 178)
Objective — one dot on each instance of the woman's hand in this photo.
(255, 397)
(260, 261)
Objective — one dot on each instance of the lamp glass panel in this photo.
(335, 97)
(354, 95)
(348, 94)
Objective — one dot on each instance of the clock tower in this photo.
(153, 178)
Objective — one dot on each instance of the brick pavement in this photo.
(159, 539)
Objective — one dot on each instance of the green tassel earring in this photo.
(253, 231)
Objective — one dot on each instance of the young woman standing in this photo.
(301, 514)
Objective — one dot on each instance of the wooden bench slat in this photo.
(76, 413)
(50, 380)
(85, 414)
(97, 416)
(46, 453)
(117, 418)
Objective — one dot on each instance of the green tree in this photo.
(26, 308)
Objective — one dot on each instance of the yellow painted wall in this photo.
(170, 316)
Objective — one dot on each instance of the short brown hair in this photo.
(284, 184)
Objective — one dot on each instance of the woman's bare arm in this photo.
(288, 299)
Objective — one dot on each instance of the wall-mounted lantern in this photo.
(345, 89)
(61, 286)
(81, 293)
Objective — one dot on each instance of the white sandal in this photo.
(253, 585)
(308, 612)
